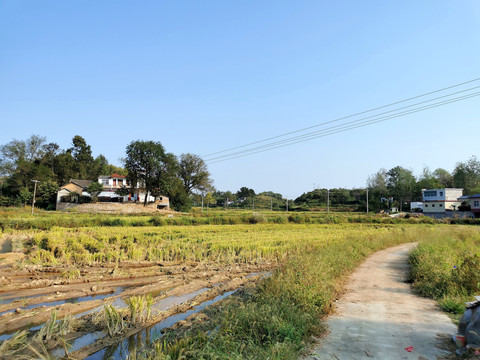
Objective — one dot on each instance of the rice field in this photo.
(113, 280)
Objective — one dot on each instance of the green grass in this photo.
(277, 319)
(20, 219)
(447, 268)
(313, 254)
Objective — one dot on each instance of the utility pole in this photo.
(328, 201)
(367, 200)
(202, 202)
(34, 193)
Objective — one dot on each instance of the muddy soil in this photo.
(380, 318)
(29, 294)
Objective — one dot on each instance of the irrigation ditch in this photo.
(107, 311)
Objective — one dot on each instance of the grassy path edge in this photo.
(280, 317)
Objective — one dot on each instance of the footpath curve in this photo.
(379, 316)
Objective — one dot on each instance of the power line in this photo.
(334, 130)
(343, 128)
(343, 118)
(333, 127)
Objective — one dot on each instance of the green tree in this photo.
(46, 196)
(401, 184)
(443, 177)
(100, 165)
(467, 175)
(245, 192)
(12, 153)
(64, 167)
(94, 189)
(112, 169)
(82, 154)
(194, 173)
(148, 165)
(427, 180)
(314, 198)
(24, 196)
(50, 152)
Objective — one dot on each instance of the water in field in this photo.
(78, 343)
(148, 335)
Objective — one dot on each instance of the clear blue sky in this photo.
(203, 76)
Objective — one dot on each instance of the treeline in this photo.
(146, 162)
(396, 187)
(22, 161)
(245, 198)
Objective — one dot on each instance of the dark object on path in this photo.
(469, 325)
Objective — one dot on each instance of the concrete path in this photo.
(378, 316)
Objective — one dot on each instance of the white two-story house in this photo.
(441, 200)
(113, 182)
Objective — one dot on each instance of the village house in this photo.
(474, 201)
(111, 183)
(441, 200)
(75, 188)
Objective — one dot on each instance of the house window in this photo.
(440, 205)
(114, 182)
(441, 193)
(426, 205)
(105, 182)
(430, 193)
(476, 203)
(433, 205)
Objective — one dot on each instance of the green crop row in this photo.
(20, 219)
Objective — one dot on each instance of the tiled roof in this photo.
(82, 183)
(116, 176)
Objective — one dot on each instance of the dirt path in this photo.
(378, 316)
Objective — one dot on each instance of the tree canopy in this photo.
(194, 174)
(145, 164)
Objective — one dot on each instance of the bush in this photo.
(256, 218)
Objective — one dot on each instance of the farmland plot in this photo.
(97, 292)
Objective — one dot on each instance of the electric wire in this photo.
(338, 129)
(342, 118)
(350, 122)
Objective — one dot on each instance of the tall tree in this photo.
(444, 178)
(467, 175)
(82, 154)
(12, 153)
(194, 173)
(427, 180)
(401, 184)
(378, 192)
(245, 192)
(65, 167)
(50, 152)
(148, 165)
